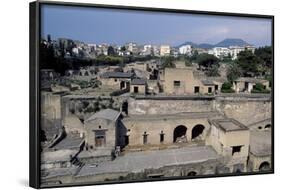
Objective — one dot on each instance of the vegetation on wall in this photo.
(227, 87)
(233, 72)
(259, 88)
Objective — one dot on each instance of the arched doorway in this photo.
(126, 140)
(197, 130)
(192, 173)
(265, 166)
(268, 126)
(180, 134)
(122, 85)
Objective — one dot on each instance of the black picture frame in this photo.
(34, 89)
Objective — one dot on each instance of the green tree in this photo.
(265, 54)
(249, 63)
(111, 51)
(207, 61)
(194, 55)
(227, 87)
(259, 88)
(227, 59)
(168, 62)
(233, 72)
(269, 78)
(213, 71)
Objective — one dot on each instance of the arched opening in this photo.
(192, 173)
(265, 166)
(180, 134)
(197, 131)
(145, 137)
(126, 139)
(122, 85)
(268, 126)
(162, 137)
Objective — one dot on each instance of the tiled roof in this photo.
(207, 82)
(249, 79)
(138, 82)
(228, 124)
(108, 114)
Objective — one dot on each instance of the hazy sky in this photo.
(96, 25)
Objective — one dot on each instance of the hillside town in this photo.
(134, 111)
(74, 48)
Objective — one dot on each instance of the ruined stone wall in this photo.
(246, 110)
(168, 106)
(114, 83)
(141, 89)
(154, 127)
(256, 161)
(200, 168)
(79, 105)
(263, 125)
(50, 106)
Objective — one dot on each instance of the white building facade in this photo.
(185, 49)
(165, 50)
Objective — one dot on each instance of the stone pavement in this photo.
(138, 161)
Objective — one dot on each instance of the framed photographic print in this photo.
(131, 94)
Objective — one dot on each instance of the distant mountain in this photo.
(225, 43)
(205, 46)
(231, 42)
(188, 43)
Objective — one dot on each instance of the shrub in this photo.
(213, 71)
(226, 85)
(227, 88)
(259, 88)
